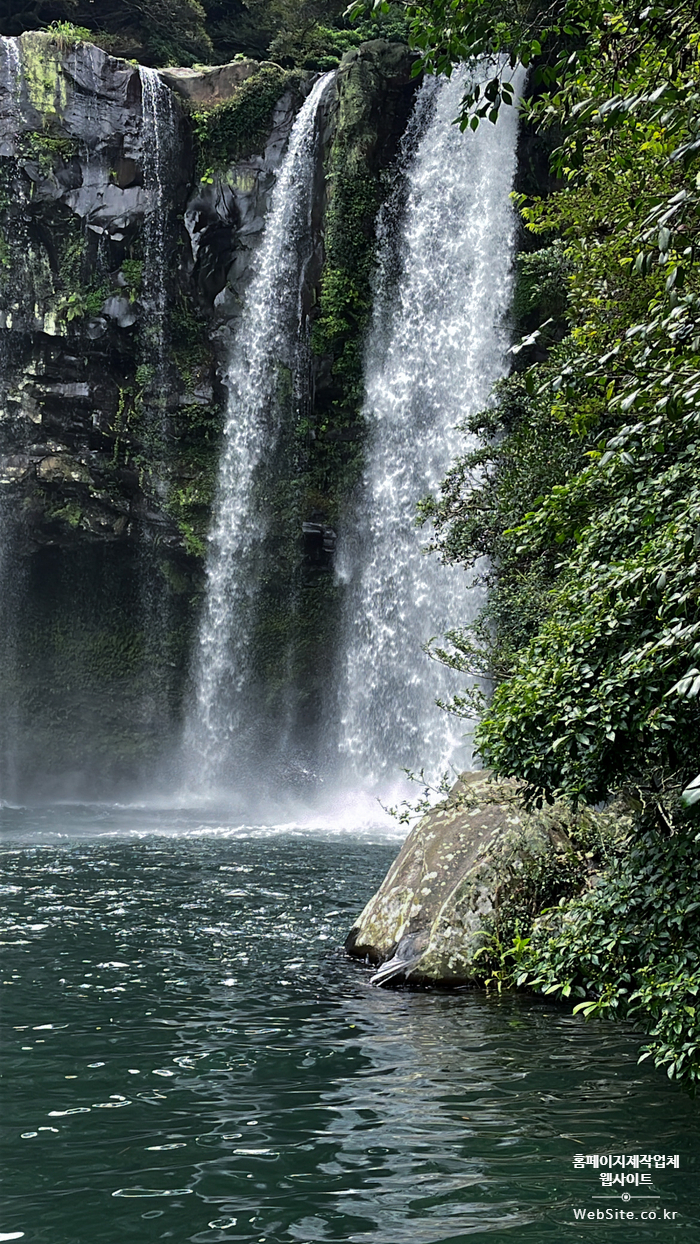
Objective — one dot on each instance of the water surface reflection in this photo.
(189, 1056)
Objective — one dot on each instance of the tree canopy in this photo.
(167, 32)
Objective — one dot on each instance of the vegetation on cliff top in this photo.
(308, 34)
(240, 125)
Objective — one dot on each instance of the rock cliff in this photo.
(131, 205)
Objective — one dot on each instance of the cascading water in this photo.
(268, 346)
(159, 130)
(159, 152)
(10, 92)
(10, 123)
(437, 345)
(11, 81)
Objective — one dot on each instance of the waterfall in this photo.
(159, 154)
(10, 91)
(11, 87)
(10, 127)
(159, 128)
(267, 348)
(437, 345)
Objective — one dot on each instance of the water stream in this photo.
(10, 116)
(10, 86)
(160, 155)
(437, 345)
(221, 732)
(159, 129)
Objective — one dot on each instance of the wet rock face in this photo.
(375, 96)
(73, 122)
(123, 269)
(225, 219)
(90, 191)
(76, 192)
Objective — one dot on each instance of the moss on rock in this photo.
(229, 131)
(473, 874)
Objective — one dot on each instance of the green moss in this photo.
(121, 427)
(132, 271)
(190, 505)
(334, 445)
(230, 131)
(195, 430)
(144, 375)
(190, 348)
(69, 513)
(71, 258)
(46, 148)
(43, 76)
(5, 258)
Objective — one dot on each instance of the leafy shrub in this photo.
(81, 303)
(630, 948)
(585, 496)
(229, 131)
(46, 148)
(67, 35)
(132, 271)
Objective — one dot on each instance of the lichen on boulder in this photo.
(468, 865)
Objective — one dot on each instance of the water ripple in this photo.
(282, 1098)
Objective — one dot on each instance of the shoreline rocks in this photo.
(440, 899)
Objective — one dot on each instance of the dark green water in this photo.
(188, 1056)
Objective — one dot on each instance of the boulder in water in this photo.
(438, 903)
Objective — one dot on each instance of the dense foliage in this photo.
(629, 947)
(308, 34)
(584, 493)
(154, 31)
(233, 129)
(604, 693)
